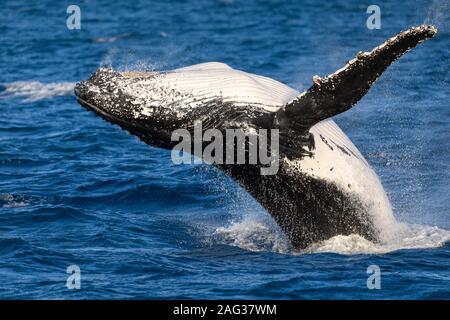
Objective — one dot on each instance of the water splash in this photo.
(253, 234)
(257, 234)
(413, 236)
(437, 14)
(8, 200)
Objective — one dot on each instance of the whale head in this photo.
(105, 93)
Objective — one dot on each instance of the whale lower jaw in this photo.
(148, 134)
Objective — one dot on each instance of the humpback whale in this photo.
(324, 187)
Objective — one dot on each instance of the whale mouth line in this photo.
(102, 113)
(134, 128)
(150, 135)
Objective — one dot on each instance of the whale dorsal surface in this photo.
(201, 83)
(324, 187)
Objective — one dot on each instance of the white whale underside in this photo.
(335, 159)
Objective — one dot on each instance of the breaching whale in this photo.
(324, 186)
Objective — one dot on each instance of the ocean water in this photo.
(75, 190)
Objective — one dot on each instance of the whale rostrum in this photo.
(323, 188)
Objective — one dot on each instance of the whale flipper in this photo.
(342, 89)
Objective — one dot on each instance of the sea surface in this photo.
(75, 190)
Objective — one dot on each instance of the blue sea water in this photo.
(75, 190)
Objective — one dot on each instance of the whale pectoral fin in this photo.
(341, 90)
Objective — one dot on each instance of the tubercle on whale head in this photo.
(99, 85)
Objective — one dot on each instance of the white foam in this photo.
(34, 90)
(257, 234)
(412, 236)
(10, 201)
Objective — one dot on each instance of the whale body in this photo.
(324, 186)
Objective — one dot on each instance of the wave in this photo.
(112, 38)
(31, 91)
(254, 234)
